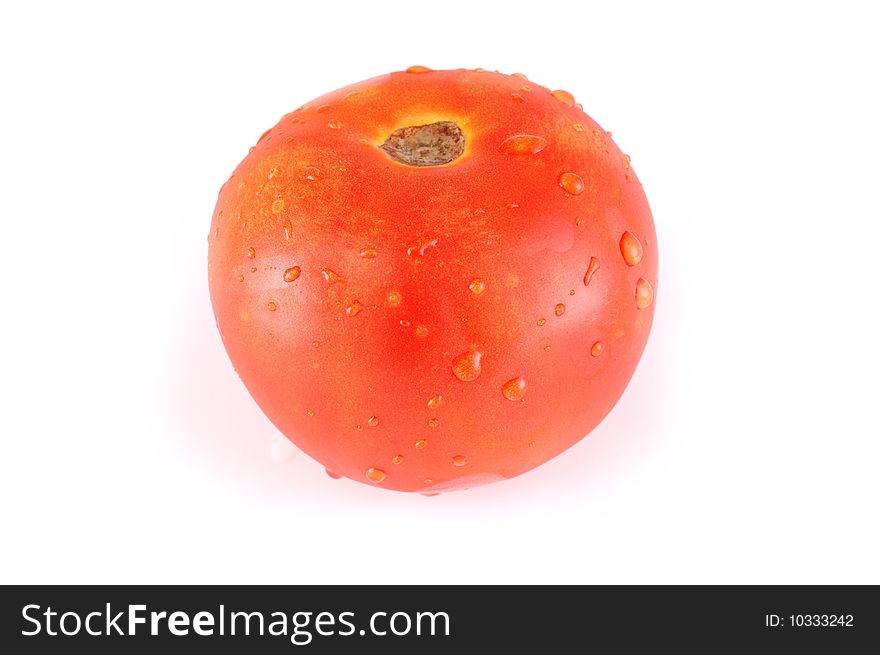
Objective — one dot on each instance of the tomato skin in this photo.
(442, 326)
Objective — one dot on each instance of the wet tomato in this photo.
(434, 279)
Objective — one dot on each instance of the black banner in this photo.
(341, 619)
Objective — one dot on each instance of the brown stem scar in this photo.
(433, 144)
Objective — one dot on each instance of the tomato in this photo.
(434, 279)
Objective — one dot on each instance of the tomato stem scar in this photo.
(434, 144)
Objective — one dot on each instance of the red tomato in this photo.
(434, 279)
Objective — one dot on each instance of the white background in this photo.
(746, 448)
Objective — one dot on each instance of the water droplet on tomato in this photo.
(278, 206)
(272, 306)
(626, 161)
(466, 366)
(323, 108)
(520, 76)
(311, 412)
(313, 173)
(563, 96)
(372, 421)
(596, 350)
(404, 323)
(251, 253)
(459, 460)
(397, 459)
(292, 273)
(368, 253)
(421, 331)
(316, 344)
(353, 309)
(433, 422)
(525, 88)
(516, 97)
(418, 69)
(375, 475)
(514, 389)
(631, 249)
(578, 127)
(559, 310)
(288, 229)
(523, 144)
(420, 444)
(644, 293)
(541, 321)
(333, 475)
(477, 286)
(241, 278)
(591, 270)
(334, 124)
(421, 245)
(434, 402)
(394, 299)
(572, 183)
(331, 276)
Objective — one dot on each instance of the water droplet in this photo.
(312, 173)
(251, 253)
(418, 69)
(274, 172)
(629, 177)
(596, 350)
(477, 286)
(292, 273)
(514, 389)
(578, 127)
(316, 344)
(546, 349)
(435, 401)
(297, 119)
(311, 412)
(375, 475)
(331, 276)
(216, 232)
(541, 321)
(404, 323)
(368, 252)
(421, 331)
(421, 245)
(420, 444)
(626, 160)
(264, 135)
(516, 97)
(466, 366)
(333, 475)
(459, 460)
(572, 183)
(644, 293)
(520, 76)
(591, 270)
(394, 299)
(397, 459)
(288, 229)
(272, 306)
(433, 422)
(353, 309)
(571, 292)
(323, 108)
(241, 278)
(253, 269)
(522, 144)
(563, 96)
(334, 124)
(559, 310)
(372, 421)
(631, 249)
(525, 88)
